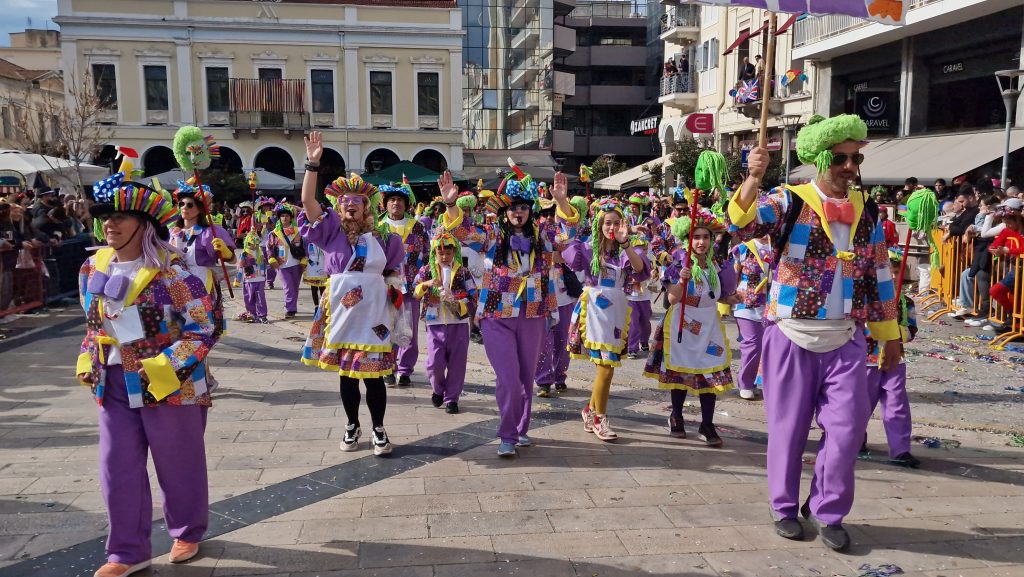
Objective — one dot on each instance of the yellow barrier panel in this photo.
(1015, 317)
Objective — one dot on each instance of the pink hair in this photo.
(157, 252)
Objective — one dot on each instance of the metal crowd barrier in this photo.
(955, 258)
(53, 278)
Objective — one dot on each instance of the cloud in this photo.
(17, 13)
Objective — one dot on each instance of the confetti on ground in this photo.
(884, 570)
(936, 443)
(943, 357)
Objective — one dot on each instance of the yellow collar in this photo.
(404, 231)
(140, 281)
(810, 196)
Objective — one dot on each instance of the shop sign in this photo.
(645, 126)
(953, 67)
(774, 144)
(700, 123)
(879, 109)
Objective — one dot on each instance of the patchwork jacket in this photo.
(416, 243)
(503, 290)
(462, 288)
(753, 268)
(803, 276)
(177, 317)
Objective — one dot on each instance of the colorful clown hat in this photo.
(705, 220)
(189, 189)
(115, 195)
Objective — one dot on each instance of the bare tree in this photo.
(69, 129)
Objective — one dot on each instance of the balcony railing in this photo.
(256, 103)
(815, 29)
(681, 83)
(687, 16)
(635, 9)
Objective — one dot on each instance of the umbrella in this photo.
(56, 172)
(267, 180)
(414, 172)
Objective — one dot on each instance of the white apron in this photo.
(705, 348)
(606, 313)
(358, 316)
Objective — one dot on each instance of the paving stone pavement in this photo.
(286, 501)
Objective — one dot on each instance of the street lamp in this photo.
(789, 122)
(611, 159)
(1011, 91)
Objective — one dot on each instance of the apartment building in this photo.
(928, 89)
(380, 78)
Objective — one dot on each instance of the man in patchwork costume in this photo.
(831, 281)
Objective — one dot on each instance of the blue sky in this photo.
(17, 12)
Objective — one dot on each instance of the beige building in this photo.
(28, 99)
(380, 78)
(709, 49)
(33, 49)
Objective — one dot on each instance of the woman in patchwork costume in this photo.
(517, 296)
(752, 261)
(699, 361)
(202, 243)
(600, 322)
(287, 255)
(351, 331)
(149, 327)
(447, 290)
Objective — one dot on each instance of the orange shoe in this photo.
(182, 551)
(121, 569)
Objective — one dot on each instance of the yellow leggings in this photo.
(600, 389)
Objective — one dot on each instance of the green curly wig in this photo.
(814, 142)
(467, 202)
(185, 136)
(581, 206)
(711, 171)
(922, 216)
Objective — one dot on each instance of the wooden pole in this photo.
(766, 87)
(686, 264)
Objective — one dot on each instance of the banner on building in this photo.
(645, 126)
(884, 11)
(880, 110)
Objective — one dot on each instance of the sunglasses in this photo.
(185, 204)
(841, 158)
(352, 200)
(519, 207)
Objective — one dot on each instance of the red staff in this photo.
(686, 264)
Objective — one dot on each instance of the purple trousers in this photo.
(271, 271)
(255, 297)
(799, 385)
(751, 333)
(512, 347)
(639, 325)
(890, 389)
(291, 280)
(447, 352)
(174, 436)
(554, 355)
(408, 354)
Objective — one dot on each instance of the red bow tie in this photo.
(836, 211)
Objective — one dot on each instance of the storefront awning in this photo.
(892, 161)
(739, 40)
(785, 25)
(631, 178)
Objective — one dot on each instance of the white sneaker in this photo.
(748, 394)
(381, 443)
(351, 441)
(588, 419)
(988, 327)
(960, 312)
(978, 322)
(602, 429)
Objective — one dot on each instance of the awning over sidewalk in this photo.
(631, 178)
(892, 161)
(485, 164)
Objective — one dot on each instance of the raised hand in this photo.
(449, 190)
(314, 146)
(622, 232)
(560, 188)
